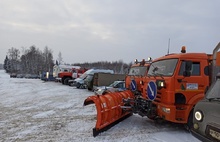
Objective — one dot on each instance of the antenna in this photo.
(168, 46)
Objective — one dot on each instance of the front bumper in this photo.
(200, 137)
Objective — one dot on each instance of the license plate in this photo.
(214, 134)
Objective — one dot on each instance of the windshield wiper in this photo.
(155, 69)
(158, 74)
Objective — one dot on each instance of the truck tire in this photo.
(66, 81)
(62, 81)
(189, 124)
(89, 88)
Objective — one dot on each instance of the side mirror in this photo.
(188, 68)
(186, 74)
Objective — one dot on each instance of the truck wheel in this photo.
(159, 120)
(189, 124)
(66, 81)
(62, 80)
(89, 88)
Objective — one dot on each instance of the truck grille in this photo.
(158, 97)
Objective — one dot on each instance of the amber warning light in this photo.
(183, 50)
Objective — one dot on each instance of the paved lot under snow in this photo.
(34, 110)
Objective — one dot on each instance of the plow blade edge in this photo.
(109, 111)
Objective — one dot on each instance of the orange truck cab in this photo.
(169, 91)
(173, 85)
(136, 73)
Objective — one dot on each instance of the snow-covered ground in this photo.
(34, 110)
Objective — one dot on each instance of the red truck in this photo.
(64, 77)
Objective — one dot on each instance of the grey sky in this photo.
(109, 30)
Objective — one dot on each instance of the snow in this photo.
(34, 110)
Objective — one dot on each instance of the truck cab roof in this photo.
(184, 56)
(92, 71)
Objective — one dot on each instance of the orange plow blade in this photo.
(109, 111)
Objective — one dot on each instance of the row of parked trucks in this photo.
(166, 89)
(85, 78)
(64, 73)
(170, 88)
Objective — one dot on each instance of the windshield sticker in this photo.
(192, 86)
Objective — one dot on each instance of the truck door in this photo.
(191, 84)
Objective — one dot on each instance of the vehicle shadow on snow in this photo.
(142, 125)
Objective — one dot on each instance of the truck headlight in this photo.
(166, 110)
(161, 84)
(141, 82)
(198, 115)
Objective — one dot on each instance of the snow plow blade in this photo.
(109, 111)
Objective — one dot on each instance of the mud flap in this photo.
(109, 111)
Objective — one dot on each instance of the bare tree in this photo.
(117, 66)
(48, 59)
(60, 58)
(13, 56)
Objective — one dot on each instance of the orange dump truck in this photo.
(173, 85)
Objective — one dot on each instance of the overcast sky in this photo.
(109, 30)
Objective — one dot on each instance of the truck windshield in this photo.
(162, 67)
(138, 70)
(214, 91)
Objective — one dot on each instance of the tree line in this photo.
(117, 66)
(34, 61)
(28, 61)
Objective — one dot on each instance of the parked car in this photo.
(206, 121)
(27, 76)
(20, 76)
(13, 75)
(79, 82)
(114, 87)
(35, 76)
